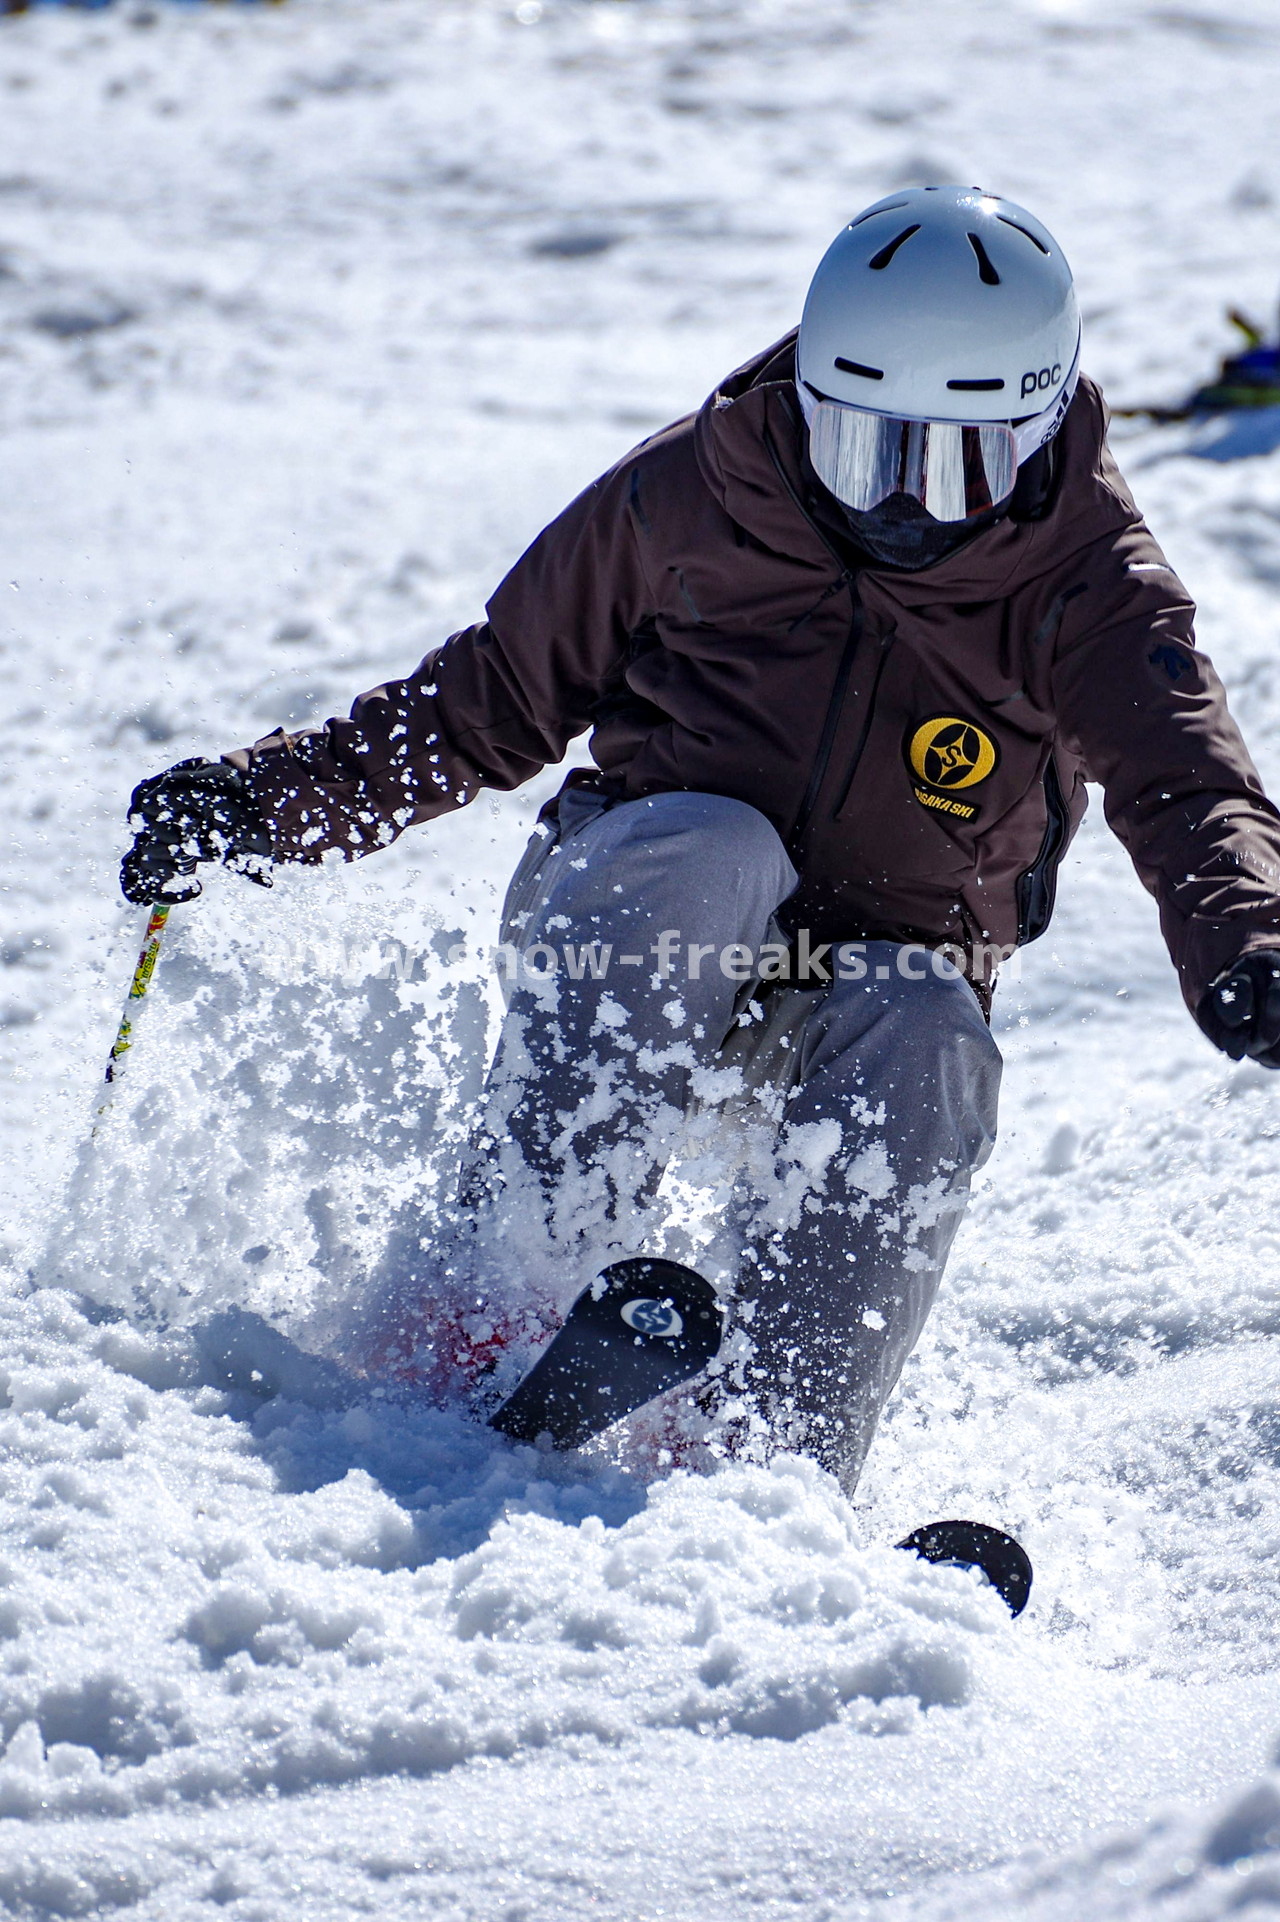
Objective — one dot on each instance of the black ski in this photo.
(646, 1326)
(643, 1327)
(1004, 1562)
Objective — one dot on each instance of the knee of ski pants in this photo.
(918, 1041)
(705, 865)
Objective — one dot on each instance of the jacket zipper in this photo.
(1037, 885)
(835, 706)
(886, 642)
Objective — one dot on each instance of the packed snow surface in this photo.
(310, 316)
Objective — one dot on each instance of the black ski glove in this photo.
(1240, 1013)
(197, 811)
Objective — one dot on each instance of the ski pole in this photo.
(117, 1061)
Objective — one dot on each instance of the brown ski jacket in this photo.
(921, 741)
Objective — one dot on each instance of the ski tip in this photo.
(644, 1326)
(958, 1544)
(665, 1294)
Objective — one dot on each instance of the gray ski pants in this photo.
(633, 932)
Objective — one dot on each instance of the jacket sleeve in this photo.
(490, 708)
(1146, 715)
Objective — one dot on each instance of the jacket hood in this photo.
(748, 436)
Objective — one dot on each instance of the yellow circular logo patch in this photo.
(950, 753)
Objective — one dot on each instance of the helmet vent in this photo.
(881, 260)
(1023, 230)
(873, 213)
(986, 272)
(856, 367)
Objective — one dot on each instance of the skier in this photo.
(850, 641)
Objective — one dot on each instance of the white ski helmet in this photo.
(938, 304)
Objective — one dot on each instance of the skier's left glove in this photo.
(195, 811)
(1240, 1012)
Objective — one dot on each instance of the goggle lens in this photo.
(956, 470)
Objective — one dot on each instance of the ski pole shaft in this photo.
(134, 1001)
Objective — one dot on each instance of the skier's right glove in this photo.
(1240, 1012)
(196, 811)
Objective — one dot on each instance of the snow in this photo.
(311, 316)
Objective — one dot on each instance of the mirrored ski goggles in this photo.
(955, 469)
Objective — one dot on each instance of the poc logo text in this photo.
(1038, 383)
